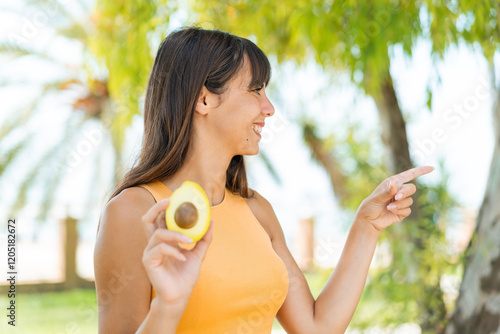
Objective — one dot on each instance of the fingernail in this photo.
(389, 186)
(185, 238)
(398, 196)
(391, 206)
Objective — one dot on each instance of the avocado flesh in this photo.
(189, 211)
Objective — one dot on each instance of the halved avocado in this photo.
(189, 211)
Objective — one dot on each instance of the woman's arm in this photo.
(337, 302)
(122, 284)
(335, 306)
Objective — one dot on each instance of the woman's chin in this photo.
(252, 151)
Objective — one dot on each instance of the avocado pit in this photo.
(186, 215)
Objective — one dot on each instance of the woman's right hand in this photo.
(173, 271)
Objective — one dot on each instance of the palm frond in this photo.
(57, 11)
(17, 50)
(45, 166)
(6, 158)
(53, 182)
(74, 31)
(50, 189)
(17, 119)
(30, 180)
(22, 116)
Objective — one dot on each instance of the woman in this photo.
(205, 106)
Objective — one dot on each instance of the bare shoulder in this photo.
(125, 210)
(130, 201)
(120, 224)
(264, 212)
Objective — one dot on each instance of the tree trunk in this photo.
(397, 157)
(70, 244)
(398, 160)
(393, 129)
(477, 308)
(325, 158)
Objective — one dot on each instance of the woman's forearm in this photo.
(162, 318)
(335, 305)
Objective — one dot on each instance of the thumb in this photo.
(388, 193)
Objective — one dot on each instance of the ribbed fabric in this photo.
(242, 282)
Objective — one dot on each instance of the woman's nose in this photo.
(267, 107)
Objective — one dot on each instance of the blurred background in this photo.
(362, 91)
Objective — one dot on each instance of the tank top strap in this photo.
(157, 189)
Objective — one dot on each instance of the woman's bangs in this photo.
(261, 69)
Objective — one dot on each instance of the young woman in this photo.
(205, 106)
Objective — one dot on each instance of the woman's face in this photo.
(241, 106)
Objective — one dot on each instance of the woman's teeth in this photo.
(257, 128)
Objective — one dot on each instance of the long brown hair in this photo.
(187, 60)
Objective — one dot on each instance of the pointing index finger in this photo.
(413, 173)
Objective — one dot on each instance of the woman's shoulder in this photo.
(263, 211)
(127, 207)
(257, 200)
(132, 197)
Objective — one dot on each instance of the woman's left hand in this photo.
(390, 202)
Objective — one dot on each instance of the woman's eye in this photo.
(257, 90)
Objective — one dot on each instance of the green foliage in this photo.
(479, 23)
(347, 35)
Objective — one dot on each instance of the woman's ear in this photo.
(206, 101)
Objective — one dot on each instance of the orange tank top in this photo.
(242, 282)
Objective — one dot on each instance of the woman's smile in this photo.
(257, 129)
